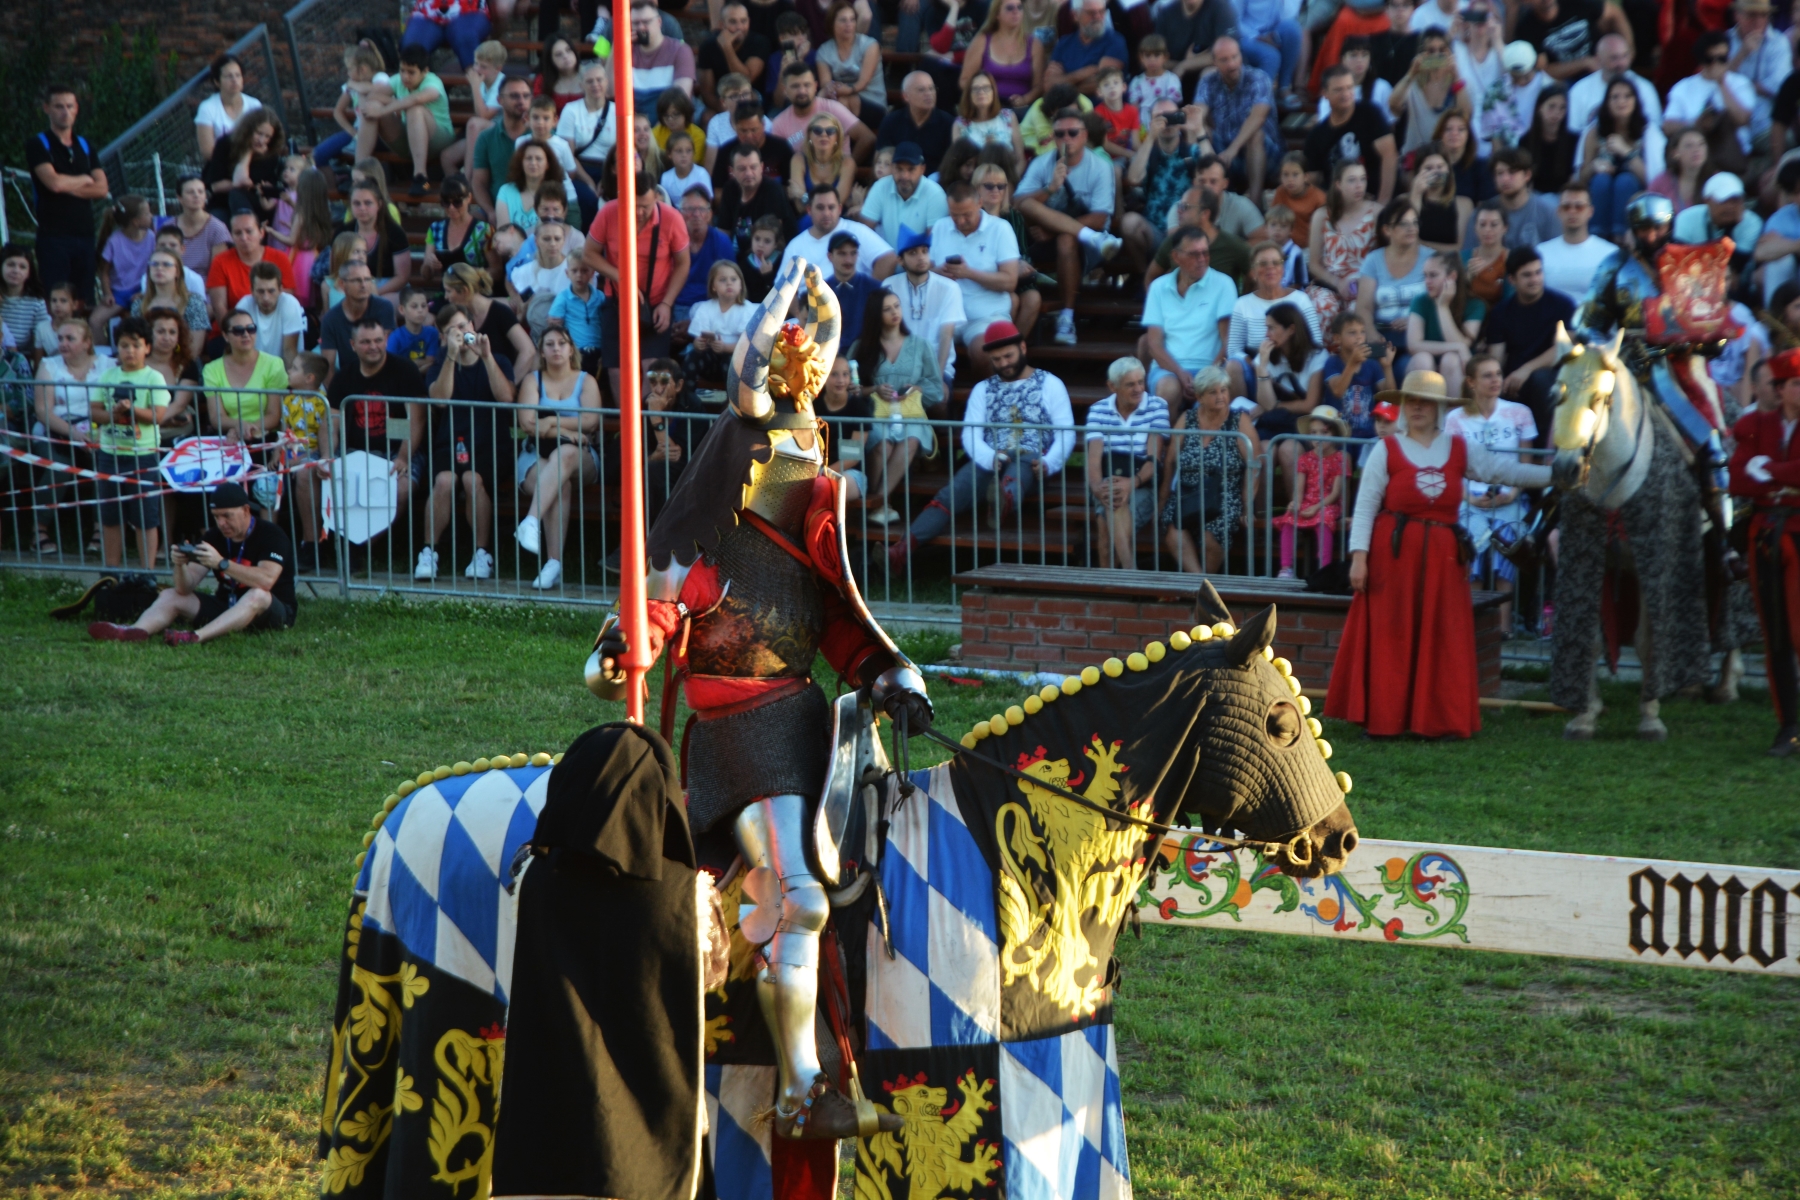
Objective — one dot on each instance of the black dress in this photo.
(1437, 222)
(260, 198)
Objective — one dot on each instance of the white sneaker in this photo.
(1285, 573)
(1065, 328)
(528, 536)
(481, 566)
(1108, 245)
(427, 568)
(549, 577)
(883, 515)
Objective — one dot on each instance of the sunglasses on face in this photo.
(659, 377)
(1063, 135)
(993, 187)
(241, 330)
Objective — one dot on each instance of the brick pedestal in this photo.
(1017, 628)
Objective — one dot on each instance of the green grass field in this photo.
(177, 830)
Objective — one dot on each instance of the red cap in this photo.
(1001, 333)
(1387, 411)
(1785, 365)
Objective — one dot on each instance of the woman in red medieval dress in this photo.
(1407, 660)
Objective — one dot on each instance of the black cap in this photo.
(840, 240)
(909, 152)
(229, 495)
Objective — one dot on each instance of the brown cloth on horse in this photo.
(603, 1078)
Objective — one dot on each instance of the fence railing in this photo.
(460, 497)
(153, 154)
(317, 32)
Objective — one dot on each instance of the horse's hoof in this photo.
(1653, 731)
(1579, 730)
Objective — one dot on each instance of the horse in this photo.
(1631, 555)
(978, 954)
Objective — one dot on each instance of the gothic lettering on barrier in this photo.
(1708, 917)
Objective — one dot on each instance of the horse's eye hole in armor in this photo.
(1284, 724)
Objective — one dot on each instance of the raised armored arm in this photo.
(821, 317)
(748, 381)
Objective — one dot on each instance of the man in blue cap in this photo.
(251, 560)
(904, 200)
(930, 304)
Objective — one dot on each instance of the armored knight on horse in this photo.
(749, 581)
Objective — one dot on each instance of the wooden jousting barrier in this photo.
(1631, 910)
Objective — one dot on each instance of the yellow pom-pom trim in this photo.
(481, 764)
(1283, 665)
(998, 726)
(360, 859)
(1071, 685)
(1343, 781)
(520, 759)
(1136, 661)
(1324, 748)
(368, 839)
(540, 759)
(1113, 668)
(406, 788)
(1015, 715)
(462, 768)
(388, 804)
(500, 762)
(1049, 693)
(1268, 654)
(1201, 633)
(1034, 704)
(1305, 703)
(1155, 651)
(1313, 727)
(441, 773)
(968, 741)
(424, 778)
(1090, 675)
(1224, 629)
(1293, 685)
(980, 731)
(376, 820)
(556, 759)
(1179, 640)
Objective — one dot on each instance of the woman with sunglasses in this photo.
(249, 415)
(1616, 148)
(822, 163)
(1716, 100)
(993, 189)
(460, 236)
(1009, 54)
(168, 289)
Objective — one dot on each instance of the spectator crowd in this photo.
(1299, 203)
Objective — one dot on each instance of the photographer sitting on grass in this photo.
(248, 557)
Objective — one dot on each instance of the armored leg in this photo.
(770, 833)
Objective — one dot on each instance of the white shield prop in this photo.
(361, 496)
(200, 464)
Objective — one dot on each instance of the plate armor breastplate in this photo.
(780, 491)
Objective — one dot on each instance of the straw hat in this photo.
(1330, 416)
(1418, 385)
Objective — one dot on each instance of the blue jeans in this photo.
(464, 34)
(1612, 193)
(331, 147)
(1277, 62)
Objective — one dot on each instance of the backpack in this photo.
(115, 599)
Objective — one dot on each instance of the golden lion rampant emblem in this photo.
(928, 1151)
(1061, 870)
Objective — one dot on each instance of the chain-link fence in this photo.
(153, 154)
(317, 32)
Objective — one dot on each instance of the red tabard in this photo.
(1407, 660)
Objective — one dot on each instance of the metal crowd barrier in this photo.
(153, 154)
(383, 510)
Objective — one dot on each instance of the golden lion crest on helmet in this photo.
(797, 366)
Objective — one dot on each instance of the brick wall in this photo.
(195, 29)
(1017, 631)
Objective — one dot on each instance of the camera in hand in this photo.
(189, 549)
(1175, 118)
(469, 338)
(121, 395)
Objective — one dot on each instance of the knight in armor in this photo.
(749, 581)
(1765, 470)
(1671, 326)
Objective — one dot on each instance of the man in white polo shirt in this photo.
(1572, 260)
(979, 251)
(1187, 314)
(930, 304)
(875, 257)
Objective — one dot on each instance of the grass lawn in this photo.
(176, 837)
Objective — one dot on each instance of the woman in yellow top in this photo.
(248, 415)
